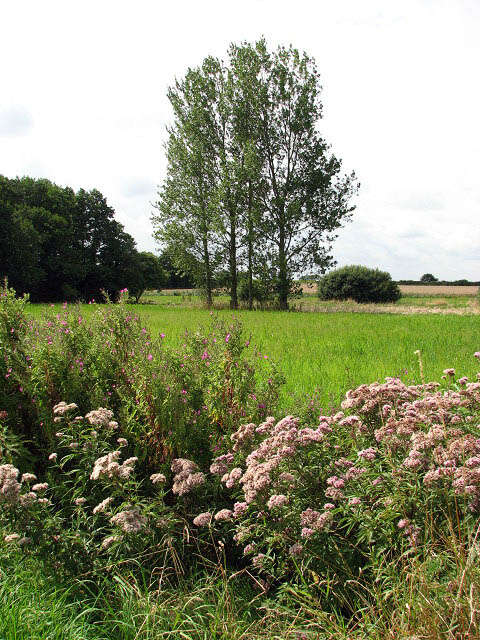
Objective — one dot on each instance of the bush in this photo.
(358, 283)
(428, 278)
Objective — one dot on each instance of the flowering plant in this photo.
(381, 480)
(94, 510)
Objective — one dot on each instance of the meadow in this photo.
(358, 519)
(328, 353)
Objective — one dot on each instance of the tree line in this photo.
(58, 244)
(252, 194)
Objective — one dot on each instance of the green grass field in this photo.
(329, 353)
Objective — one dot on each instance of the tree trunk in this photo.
(282, 270)
(208, 273)
(233, 263)
(250, 247)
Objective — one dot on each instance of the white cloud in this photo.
(400, 101)
(15, 121)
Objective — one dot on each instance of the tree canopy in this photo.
(251, 184)
(60, 245)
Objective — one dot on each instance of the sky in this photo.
(83, 103)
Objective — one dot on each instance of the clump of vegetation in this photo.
(61, 245)
(178, 400)
(359, 283)
(428, 278)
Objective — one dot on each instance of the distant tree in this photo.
(148, 274)
(57, 244)
(428, 278)
(175, 280)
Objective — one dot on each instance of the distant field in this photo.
(332, 352)
(440, 290)
(426, 290)
(408, 303)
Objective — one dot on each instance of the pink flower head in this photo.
(203, 519)
(477, 354)
(258, 560)
(149, 357)
(239, 508)
(277, 501)
(296, 549)
(224, 515)
(449, 372)
(367, 454)
(227, 337)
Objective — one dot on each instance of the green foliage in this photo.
(322, 505)
(202, 387)
(428, 278)
(147, 273)
(61, 245)
(347, 516)
(249, 179)
(358, 283)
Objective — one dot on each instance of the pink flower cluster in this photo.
(220, 464)
(130, 520)
(107, 466)
(187, 476)
(11, 489)
(9, 485)
(203, 519)
(62, 408)
(232, 478)
(277, 501)
(101, 418)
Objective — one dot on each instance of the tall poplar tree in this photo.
(249, 172)
(187, 208)
(307, 196)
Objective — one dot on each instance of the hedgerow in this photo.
(179, 401)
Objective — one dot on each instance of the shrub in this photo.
(360, 284)
(428, 278)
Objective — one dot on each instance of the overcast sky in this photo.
(83, 103)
